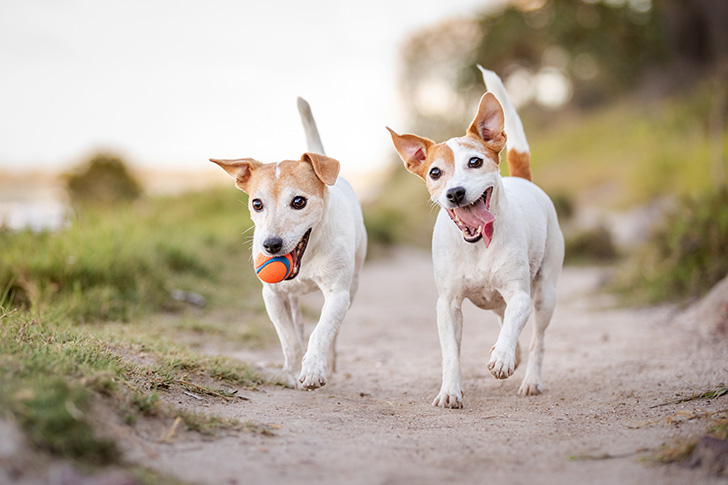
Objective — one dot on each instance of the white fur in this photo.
(514, 276)
(331, 264)
(519, 269)
(514, 128)
(331, 261)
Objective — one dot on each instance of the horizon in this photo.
(168, 88)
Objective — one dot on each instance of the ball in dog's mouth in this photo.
(297, 254)
(475, 220)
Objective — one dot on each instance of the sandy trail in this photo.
(373, 422)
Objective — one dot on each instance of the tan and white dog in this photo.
(303, 208)
(496, 241)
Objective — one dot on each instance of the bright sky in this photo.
(170, 84)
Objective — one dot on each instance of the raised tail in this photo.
(518, 154)
(313, 140)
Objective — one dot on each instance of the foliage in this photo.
(104, 179)
(603, 47)
(685, 256)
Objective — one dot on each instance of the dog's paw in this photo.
(502, 363)
(530, 388)
(451, 400)
(313, 373)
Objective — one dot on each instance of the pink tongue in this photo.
(476, 215)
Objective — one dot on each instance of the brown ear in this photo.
(325, 168)
(488, 123)
(240, 169)
(412, 150)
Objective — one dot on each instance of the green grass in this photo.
(627, 153)
(115, 264)
(87, 319)
(52, 372)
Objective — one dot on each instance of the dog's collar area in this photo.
(297, 254)
(475, 220)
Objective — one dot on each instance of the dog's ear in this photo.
(240, 169)
(412, 150)
(325, 168)
(488, 123)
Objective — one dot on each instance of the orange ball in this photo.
(273, 269)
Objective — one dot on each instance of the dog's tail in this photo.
(519, 154)
(313, 140)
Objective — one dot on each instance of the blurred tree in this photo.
(104, 179)
(583, 52)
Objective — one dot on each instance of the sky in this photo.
(169, 84)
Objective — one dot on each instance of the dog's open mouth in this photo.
(475, 220)
(297, 254)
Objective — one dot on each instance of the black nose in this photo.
(273, 244)
(455, 195)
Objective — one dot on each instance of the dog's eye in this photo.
(257, 205)
(435, 173)
(475, 162)
(298, 202)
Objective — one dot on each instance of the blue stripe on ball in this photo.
(282, 259)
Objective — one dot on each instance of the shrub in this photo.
(104, 179)
(686, 254)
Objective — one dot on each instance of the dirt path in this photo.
(373, 423)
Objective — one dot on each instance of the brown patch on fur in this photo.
(519, 164)
(240, 169)
(477, 143)
(413, 151)
(252, 176)
(326, 168)
(443, 155)
(488, 123)
(290, 173)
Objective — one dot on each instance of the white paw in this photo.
(502, 363)
(452, 399)
(530, 389)
(313, 373)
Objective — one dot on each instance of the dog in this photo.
(496, 241)
(302, 208)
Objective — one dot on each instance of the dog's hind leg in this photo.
(544, 302)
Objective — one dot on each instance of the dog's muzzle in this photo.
(475, 220)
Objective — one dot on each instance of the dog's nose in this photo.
(455, 195)
(273, 244)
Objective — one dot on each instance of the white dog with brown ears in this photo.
(303, 209)
(496, 241)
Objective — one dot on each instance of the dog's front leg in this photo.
(313, 369)
(278, 307)
(450, 329)
(503, 354)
